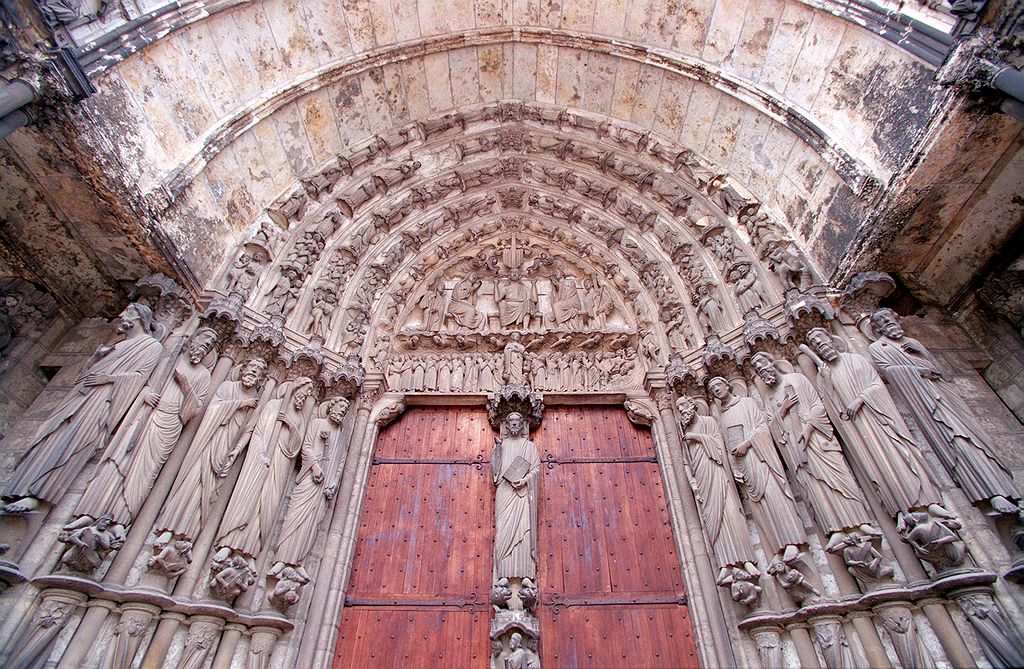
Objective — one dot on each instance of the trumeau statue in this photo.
(257, 496)
(758, 468)
(222, 434)
(87, 417)
(718, 503)
(131, 464)
(312, 491)
(962, 444)
(799, 419)
(515, 470)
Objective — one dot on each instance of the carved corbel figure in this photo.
(784, 569)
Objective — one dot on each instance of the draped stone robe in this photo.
(718, 503)
(962, 444)
(760, 471)
(516, 302)
(260, 488)
(84, 420)
(515, 511)
(821, 470)
(876, 438)
(307, 504)
(187, 509)
(132, 462)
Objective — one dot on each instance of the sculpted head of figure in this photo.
(135, 314)
(337, 409)
(764, 364)
(515, 641)
(253, 372)
(820, 340)
(515, 274)
(303, 391)
(719, 388)
(687, 409)
(201, 343)
(515, 424)
(886, 322)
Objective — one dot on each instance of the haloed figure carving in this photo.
(878, 441)
(962, 444)
(88, 415)
(515, 469)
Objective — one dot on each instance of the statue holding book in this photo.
(515, 469)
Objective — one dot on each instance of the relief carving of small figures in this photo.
(745, 286)
(964, 447)
(325, 303)
(787, 264)
(528, 594)
(517, 301)
(129, 466)
(284, 294)
(288, 589)
(757, 467)
(88, 415)
(933, 537)
(90, 541)
(875, 436)
(223, 433)
(231, 575)
(515, 470)
(783, 568)
(308, 501)
(518, 656)
(742, 583)
(276, 441)
(718, 502)
(245, 272)
(171, 557)
(709, 310)
(862, 558)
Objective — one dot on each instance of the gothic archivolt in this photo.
(515, 251)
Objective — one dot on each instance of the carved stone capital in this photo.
(515, 398)
(172, 305)
(864, 291)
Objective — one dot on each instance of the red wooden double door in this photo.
(611, 591)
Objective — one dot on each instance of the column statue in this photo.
(515, 470)
(131, 464)
(876, 438)
(222, 433)
(958, 439)
(759, 469)
(88, 415)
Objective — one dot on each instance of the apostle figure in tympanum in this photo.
(462, 307)
(82, 425)
(515, 470)
(566, 305)
(131, 464)
(258, 493)
(714, 487)
(222, 433)
(312, 492)
(758, 468)
(950, 427)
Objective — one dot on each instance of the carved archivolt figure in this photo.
(757, 466)
(130, 465)
(515, 469)
(308, 501)
(88, 415)
(962, 444)
(222, 434)
(258, 493)
(803, 429)
(718, 503)
(874, 433)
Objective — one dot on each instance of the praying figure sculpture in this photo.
(515, 470)
(950, 427)
(82, 425)
(759, 469)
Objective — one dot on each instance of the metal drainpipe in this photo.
(13, 97)
(1010, 80)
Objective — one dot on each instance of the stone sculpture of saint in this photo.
(86, 418)
(517, 301)
(566, 305)
(876, 438)
(759, 469)
(222, 433)
(131, 464)
(312, 492)
(950, 427)
(800, 421)
(514, 360)
(259, 491)
(462, 308)
(718, 503)
(515, 470)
